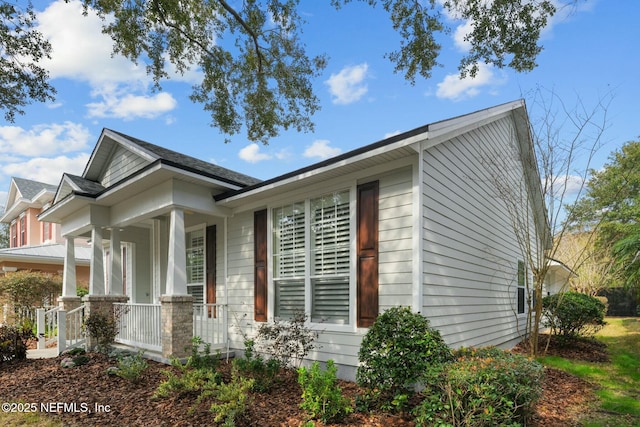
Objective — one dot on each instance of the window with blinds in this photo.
(195, 264)
(289, 259)
(330, 258)
(321, 235)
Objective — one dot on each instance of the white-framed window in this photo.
(127, 252)
(195, 239)
(521, 292)
(316, 230)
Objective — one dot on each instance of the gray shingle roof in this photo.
(85, 185)
(29, 188)
(184, 161)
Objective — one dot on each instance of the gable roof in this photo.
(25, 193)
(146, 156)
(154, 153)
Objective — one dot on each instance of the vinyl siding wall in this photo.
(395, 261)
(470, 252)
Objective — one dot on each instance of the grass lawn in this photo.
(618, 382)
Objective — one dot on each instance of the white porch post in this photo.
(115, 280)
(176, 310)
(96, 281)
(69, 275)
(177, 265)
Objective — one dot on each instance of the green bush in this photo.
(130, 366)
(396, 352)
(13, 342)
(572, 314)
(322, 399)
(485, 387)
(103, 328)
(232, 400)
(253, 365)
(196, 376)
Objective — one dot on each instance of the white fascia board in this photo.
(411, 141)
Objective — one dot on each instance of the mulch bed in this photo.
(94, 398)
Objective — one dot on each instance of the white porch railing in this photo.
(70, 328)
(210, 323)
(47, 326)
(139, 325)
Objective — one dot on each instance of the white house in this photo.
(413, 220)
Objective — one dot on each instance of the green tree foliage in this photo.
(4, 236)
(22, 80)
(255, 69)
(615, 191)
(26, 289)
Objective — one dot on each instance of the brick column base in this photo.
(100, 304)
(177, 325)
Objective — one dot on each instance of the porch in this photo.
(139, 327)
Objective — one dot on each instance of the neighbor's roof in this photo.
(25, 193)
(45, 254)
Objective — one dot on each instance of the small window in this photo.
(195, 265)
(522, 275)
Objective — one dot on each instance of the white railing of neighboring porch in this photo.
(139, 325)
(210, 324)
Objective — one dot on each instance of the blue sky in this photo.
(587, 54)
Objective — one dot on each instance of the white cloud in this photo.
(348, 85)
(321, 149)
(390, 134)
(131, 106)
(456, 88)
(44, 139)
(79, 48)
(80, 51)
(251, 153)
(47, 170)
(567, 187)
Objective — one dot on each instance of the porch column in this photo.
(69, 275)
(69, 299)
(115, 280)
(177, 305)
(177, 265)
(96, 281)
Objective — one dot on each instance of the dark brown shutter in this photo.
(260, 272)
(211, 268)
(367, 253)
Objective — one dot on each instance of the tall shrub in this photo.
(572, 314)
(397, 351)
(27, 289)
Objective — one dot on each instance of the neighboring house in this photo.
(412, 220)
(35, 245)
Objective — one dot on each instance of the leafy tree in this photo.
(255, 69)
(592, 265)
(4, 236)
(22, 80)
(27, 289)
(615, 191)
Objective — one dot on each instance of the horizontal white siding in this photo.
(395, 264)
(470, 251)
